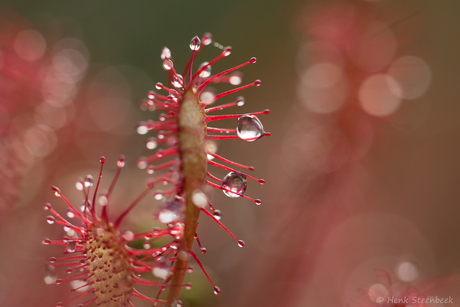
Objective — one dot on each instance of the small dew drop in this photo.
(50, 275)
(142, 129)
(257, 83)
(128, 235)
(171, 211)
(102, 159)
(199, 198)
(227, 51)
(121, 162)
(89, 181)
(60, 304)
(69, 271)
(52, 259)
(188, 286)
(70, 213)
(168, 64)
(203, 250)
(235, 80)
(79, 185)
(249, 128)
(207, 39)
(216, 290)
(195, 43)
(150, 169)
(159, 85)
(47, 206)
(178, 81)
(189, 269)
(71, 246)
(56, 190)
(217, 214)
(234, 184)
(258, 202)
(206, 72)
(240, 101)
(46, 241)
(240, 243)
(165, 53)
(103, 200)
(58, 281)
(50, 219)
(142, 163)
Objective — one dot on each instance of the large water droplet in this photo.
(249, 128)
(234, 184)
(50, 275)
(165, 53)
(195, 43)
(172, 210)
(207, 72)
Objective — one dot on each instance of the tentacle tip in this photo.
(257, 82)
(253, 60)
(102, 159)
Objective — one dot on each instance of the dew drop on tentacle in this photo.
(56, 190)
(171, 210)
(142, 129)
(249, 128)
(70, 213)
(168, 64)
(165, 53)
(216, 290)
(89, 181)
(234, 184)
(50, 275)
(195, 43)
(199, 198)
(217, 214)
(142, 163)
(50, 219)
(71, 246)
(207, 39)
(241, 243)
(207, 72)
(178, 81)
(79, 185)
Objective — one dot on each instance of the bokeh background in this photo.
(362, 195)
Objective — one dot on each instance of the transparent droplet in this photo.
(125, 283)
(146, 245)
(227, 51)
(207, 38)
(168, 64)
(217, 214)
(178, 81)
(50, 219)
(216, 290)
(172, 210)
(188, 286)
(142, 129)
(142, 163)
(47, 206)
(240, 101)
(207, 72)
(189, 269)
(150, 169)
(46, 241)
(121, 162)
(89, 181)
(56, 190)
(71, 246)
(160, 270)
(79, 185)
(235, 80)
(195, 43)
(103, 200)
(234, 184)
(165, 53)
(128, 235)
(50, 275)
(203, 250)
(240, 243)
(70, 213)
(249, 128)
(212, 147)
(199, 198)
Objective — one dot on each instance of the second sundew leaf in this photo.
(183, 132)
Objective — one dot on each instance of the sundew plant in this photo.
(103, 268)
